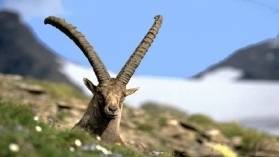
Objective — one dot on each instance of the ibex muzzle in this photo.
(103, 114)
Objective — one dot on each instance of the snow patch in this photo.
(223, 74)
(221, 100)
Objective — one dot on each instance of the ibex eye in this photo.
(100, 98)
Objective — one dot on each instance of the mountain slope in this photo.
(21, 52)
(259, 61)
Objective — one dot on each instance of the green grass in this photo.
(157, 109)
(145, 127)
(202, 120)
(17, 126)
(59, 90)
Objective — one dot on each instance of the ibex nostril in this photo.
(112, 109)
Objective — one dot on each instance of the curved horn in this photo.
(129, 68)
(79, 39)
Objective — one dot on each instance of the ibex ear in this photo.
(89, 85)
(130, 91)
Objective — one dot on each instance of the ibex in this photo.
(103, 114)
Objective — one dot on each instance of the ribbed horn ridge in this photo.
(129, 68)
(79, 39)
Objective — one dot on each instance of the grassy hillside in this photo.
(36, 118)
(22, 134)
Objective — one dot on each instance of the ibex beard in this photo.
(103, 114)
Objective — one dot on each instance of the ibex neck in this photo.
(111, 132)
(98, 124)
(108, 130)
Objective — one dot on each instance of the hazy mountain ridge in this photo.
(22, 53)
(258, 61)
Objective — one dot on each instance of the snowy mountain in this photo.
(217, 94)
(259, 61)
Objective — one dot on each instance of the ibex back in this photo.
(103, 114)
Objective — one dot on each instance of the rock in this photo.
(192, 126)
(267, 148)
(216, 136)
(137, 146)
(33, 89)
(173, 122)
(199, 151)
(237, 142)
(184, 141)
(63, 105)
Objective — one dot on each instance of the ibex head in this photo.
(110, 95)
(103, 114)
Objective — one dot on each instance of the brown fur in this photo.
(98, 119)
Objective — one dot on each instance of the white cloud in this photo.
(34, 8)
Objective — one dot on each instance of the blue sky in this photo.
(194, 35)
